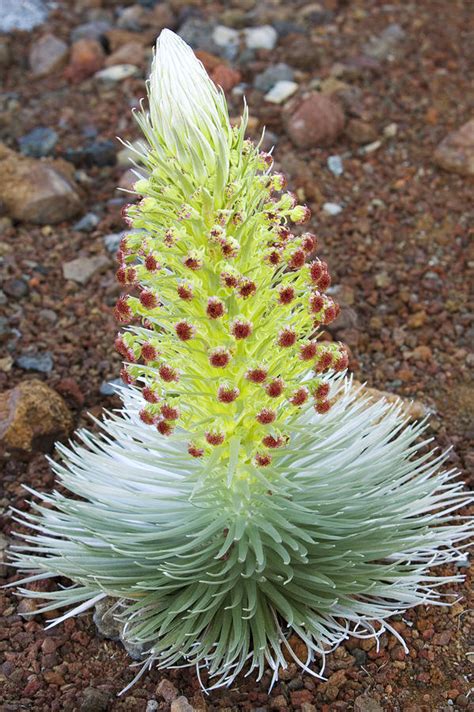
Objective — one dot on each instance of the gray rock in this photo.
(41, 362)
(273, 74)
(198, 34)
(151, 706)
(47, 54)
(90, 30)
(262, 37)
(137, 651)
(16, 288)
(181, 704)
(335, 165)
(39, 142)
(82, 269)
(228, 40)
(109, 388)
(332, 208)
(386, 44)
(363, 703)
(105, 621)
(94, 701)
(116, 73)
(22, 14)
(112, 241)
(86, 223)
(97, 153)
(360, 656)
(282, 91)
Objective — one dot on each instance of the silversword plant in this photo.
(246, 492)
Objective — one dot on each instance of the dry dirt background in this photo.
(399, 82)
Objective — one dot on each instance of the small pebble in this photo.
(273, 74)
(282, 91)
(262, 37)
(41, 362)
(39, 142)
(228, 40)
(116, 73)
(335, 165)
(109, 388)
(86, 223)
(332, 208)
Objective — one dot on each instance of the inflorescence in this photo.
(225, 306)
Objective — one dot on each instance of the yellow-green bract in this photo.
(214, 552)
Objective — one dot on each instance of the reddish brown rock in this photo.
(360, 131)
(47, 55)
(317, 121)
(32, 417)
(87, 58)
(36, 191)
(131, 53)
(225, 77)
(456, 152)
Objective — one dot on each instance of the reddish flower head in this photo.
(275, 388)
(168, 373)
(322, 407)
(286, 338)
(247, 288)
(299, 397)
(126, 376)
(192, 262)
(297, 259)
(164, 428)
(271, 442)
(329, 314)
(185, 291)
(308, 242)
(316, 302)
(273, 257)
(241, 328)
(215, 308)
(149, 353)
(262, 460)
(286, 295)
(151, 263)
(266, 416)
(184, 330)
(256, 375)
(148, 299)
(214, 438)
(229, 280)
(227, 394)
(195, 451)
(322, 391)
(324, 362)
(308, 351)
(122, 311)
(324, 281)
(146, 416)
(219, 357)
(149, 395)
(120, 346)
(169, 412)
(341, 363)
